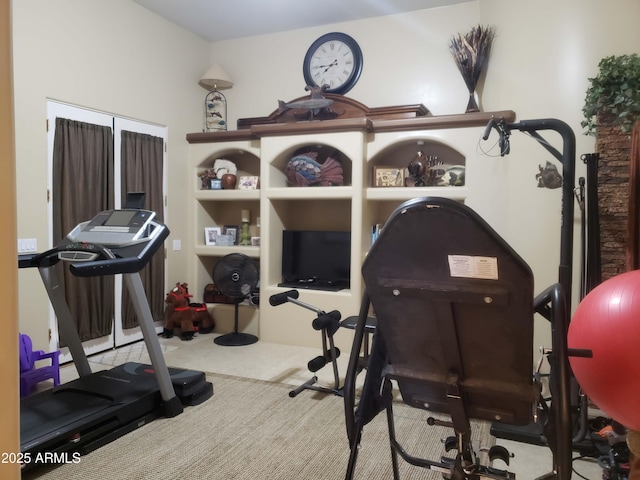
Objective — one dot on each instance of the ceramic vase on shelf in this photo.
(245, 236)
(229, 181)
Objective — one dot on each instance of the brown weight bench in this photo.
(455, 314)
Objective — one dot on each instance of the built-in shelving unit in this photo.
(264, 147)
(218, 208)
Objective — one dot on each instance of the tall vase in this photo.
(472, 106)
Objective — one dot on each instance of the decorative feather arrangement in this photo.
(471, 54)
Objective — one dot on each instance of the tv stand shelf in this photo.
(362, 144)
(323, 287)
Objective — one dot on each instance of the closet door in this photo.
(78, 170)
(111, 323)
(140, 166)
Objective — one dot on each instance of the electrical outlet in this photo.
(177, 245)
(27, 245)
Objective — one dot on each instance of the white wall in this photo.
(113, 56)
(542, 56)
(406, 61)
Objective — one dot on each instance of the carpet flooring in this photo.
(252, 430)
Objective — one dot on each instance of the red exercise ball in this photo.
(607, 321)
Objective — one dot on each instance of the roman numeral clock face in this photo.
(335, 60)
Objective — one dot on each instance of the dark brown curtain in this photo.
(82, 187)
(141, 163)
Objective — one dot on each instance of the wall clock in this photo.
(334, 59)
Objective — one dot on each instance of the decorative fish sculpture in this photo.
(304, 170)
(311, 104)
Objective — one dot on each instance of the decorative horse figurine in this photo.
(177, 313)
(189, 317)
(203, 320)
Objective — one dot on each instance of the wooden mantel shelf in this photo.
(364, 124)
(476, 119)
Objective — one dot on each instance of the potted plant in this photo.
(615, 92)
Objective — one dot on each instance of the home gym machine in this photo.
(97, 408)
(327, 324)
(455, 328)
(533, 433)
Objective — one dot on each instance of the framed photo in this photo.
(232, 231)
(388, 177)
(211, 234)
(255, 241)
(248, 183)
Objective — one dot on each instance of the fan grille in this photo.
(235, 275)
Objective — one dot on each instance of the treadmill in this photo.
(97, 408)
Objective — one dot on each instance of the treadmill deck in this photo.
(73, 416)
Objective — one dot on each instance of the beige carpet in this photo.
(252, 430)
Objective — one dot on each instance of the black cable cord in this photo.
(573, 468)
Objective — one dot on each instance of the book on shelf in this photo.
(375, 231)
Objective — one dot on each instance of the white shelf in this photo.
(407, 193)
(308, 193)
(227, 195)
(231, 306)
(311, 292)
(216, 251)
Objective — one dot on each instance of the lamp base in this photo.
(215, 112)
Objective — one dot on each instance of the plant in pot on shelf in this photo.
(614, 93)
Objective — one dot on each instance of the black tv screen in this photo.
(316, 259)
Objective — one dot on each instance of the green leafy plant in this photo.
(615, 91)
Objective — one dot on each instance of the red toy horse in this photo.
(189, 317)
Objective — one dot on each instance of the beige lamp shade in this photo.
(215, 78)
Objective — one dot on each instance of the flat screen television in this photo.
(316, 259)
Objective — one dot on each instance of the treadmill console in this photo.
(115, 228)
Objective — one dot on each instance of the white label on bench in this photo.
(473, 267)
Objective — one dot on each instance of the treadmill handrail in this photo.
(51, 257)
(131, 264)
(109, 266)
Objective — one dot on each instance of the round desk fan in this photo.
(236, 276)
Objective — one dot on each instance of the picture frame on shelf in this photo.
(255, 241)
(388, 176)
(232, 231)
(248, 183)
(211, 235)
(224, 240)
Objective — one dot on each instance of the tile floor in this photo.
(287, 364)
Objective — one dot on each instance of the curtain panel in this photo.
(142, 171)
(83, 178)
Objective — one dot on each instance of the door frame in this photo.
(55, 108)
